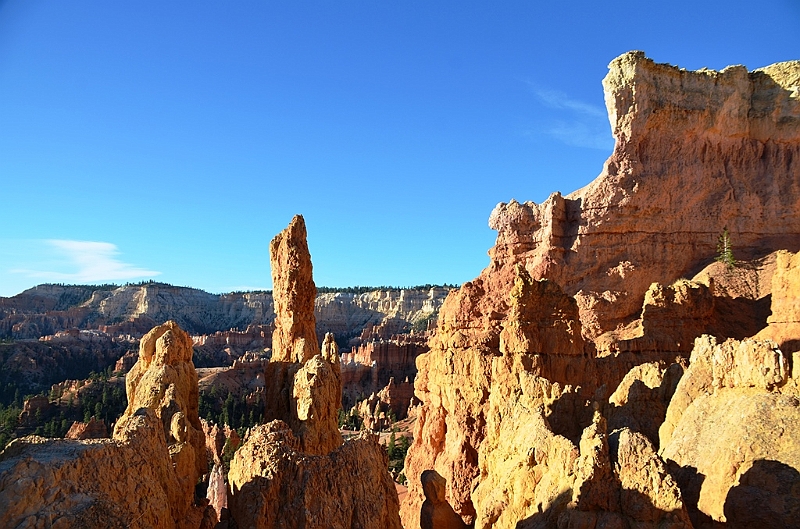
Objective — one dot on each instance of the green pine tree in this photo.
(725, 251)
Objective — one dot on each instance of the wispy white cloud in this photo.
(579, 124)
(87, 262)
(560, 100)
(579, 135)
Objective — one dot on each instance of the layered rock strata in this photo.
(143, 477)
(726, 146)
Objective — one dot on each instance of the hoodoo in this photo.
(294, 471)
(142, 478)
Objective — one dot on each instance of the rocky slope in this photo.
(551, 373)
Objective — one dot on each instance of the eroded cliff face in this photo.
(143, 477)
(695, 152)
(528, 365)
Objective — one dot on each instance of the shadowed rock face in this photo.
(436, 513)
(143, 477)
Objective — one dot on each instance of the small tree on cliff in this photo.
(724, 250)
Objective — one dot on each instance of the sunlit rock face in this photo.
(520, 371)
(695, 152)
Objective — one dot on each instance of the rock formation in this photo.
(731, 435)
(94, 429)
(523, 379)
(143, 477)
(725, 144)
(295, 335)
(295, 471)
(436, 513)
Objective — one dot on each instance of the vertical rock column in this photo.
(295, 335)
(304, 385)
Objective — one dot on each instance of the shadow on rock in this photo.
(768, 495)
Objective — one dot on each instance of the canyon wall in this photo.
(135, 309)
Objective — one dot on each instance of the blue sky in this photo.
(173, 140)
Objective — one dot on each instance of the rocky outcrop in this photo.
(484, 367)
(295, 471)
(727, 462)
(317, 394)
(436, 513)
(164, 380)
(391, 404)
(94, 429)
(381, 313)
(783, 324)
(303, 383)
(295, 337)
(725, 144)
(143, 477)
(275, 484)
(370, 367)
(515, 363)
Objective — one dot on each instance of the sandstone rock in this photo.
(784, 322)
(730, 424)
(274, 484)
(144, 477)
(317, 392)
(725, 144)
(295, 337)
(436, 513)
(370, 367)
(217, 492)
(389, 405)
(94, 429)
(480, 384)
(296, 472)
(496, 355)
(648, 494)
(164, 380)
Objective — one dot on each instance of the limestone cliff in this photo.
(144, 477)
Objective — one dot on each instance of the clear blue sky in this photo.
(172, 140)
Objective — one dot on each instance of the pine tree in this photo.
(724, 250)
